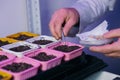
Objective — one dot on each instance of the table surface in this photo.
(102, 75)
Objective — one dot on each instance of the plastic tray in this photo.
(23, 75)
(75, 69)
(22, 33)
(42, 37)
(68, 55)
(9, 40)
(19, 54)
(50, 63)
(6, 76)
(10, 57)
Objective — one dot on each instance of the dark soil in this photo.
(42, 42)
(66, 48)
(20, 48)
(23, 37)
(42, 56)
(17, 67)
(3, 57)
(1, 77)
(2, 43)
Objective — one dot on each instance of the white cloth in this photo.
(94, 37)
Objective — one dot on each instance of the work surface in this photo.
(103, 75)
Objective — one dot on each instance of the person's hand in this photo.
(111, 50)
(67, 16)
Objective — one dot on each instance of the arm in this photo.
(91, 10)
(83, 11)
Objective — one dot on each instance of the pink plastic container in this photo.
(68, 55)
(23, 75)
(50, 63)
(10, 57)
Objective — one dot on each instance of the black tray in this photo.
(76, 69)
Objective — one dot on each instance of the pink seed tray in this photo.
(68, 55)
(23, 75)
(10, 57)
(50, 63)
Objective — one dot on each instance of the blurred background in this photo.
(12, 16)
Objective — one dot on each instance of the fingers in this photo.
(58, 28)
(102, 49)
(113, 54)
(112, 34)
(106, 48)
(68, 15)
(55, 26)
(52, 25)
(69, 24)
(111, 50)
(52, 30)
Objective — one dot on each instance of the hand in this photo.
(67, 16)
(111, 50)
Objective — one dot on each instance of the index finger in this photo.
(112, 34)
(52, 29)
(102, 49)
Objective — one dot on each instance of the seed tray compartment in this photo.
(5, 41)
(23, 75)
(43, 38)
(50, 63)
(68, 55)
(22, 35)
(17, 44)
(10, 57)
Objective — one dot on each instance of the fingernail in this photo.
(91, 48)
(58, 38)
